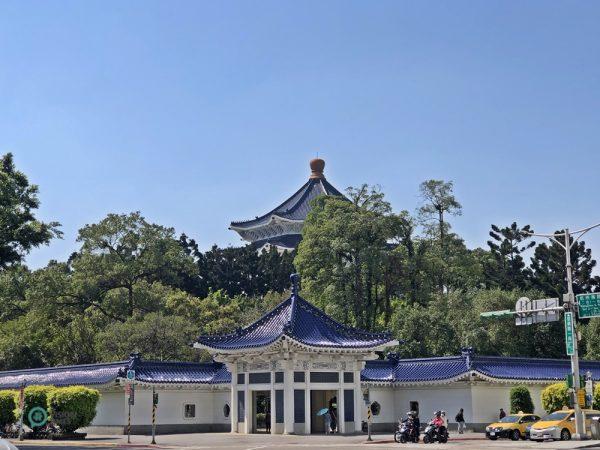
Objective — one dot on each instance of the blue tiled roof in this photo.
(103, 373)
(181, 372)
(297, 206)
(88, 374)
(424, 370)
(301, 321)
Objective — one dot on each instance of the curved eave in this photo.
(471, 375)
(273, 219)
(276, 343)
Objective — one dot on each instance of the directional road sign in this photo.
(536, 311)
(569, 337)
(589, 305)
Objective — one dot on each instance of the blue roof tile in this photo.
(301, 321)
(496, 367)
(104, 373)
(297, 206)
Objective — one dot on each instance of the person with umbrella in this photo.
(325, 413)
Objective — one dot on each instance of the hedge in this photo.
(554, 397)
(7, 408)
(520, 400)
(34, 396)
(597, 397)
(72, 407)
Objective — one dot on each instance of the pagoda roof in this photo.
(295, 208)
(300, 322)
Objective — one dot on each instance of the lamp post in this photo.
(571, 306)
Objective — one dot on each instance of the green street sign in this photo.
(569, 338)
(589, 305)
(503, 313)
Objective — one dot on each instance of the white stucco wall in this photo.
(110, 409)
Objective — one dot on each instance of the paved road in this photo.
(217, 441)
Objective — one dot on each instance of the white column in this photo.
(307, 415)
(358, 400)
(341, 412)
(234, 404)
(272, 403)
(248, 403)
(288, 398)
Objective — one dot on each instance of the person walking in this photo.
(268, 420)
(502, 414)
(460, 419)
(327, 418)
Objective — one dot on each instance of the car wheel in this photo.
(565, 435)
(515, 435)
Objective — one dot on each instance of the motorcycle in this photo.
(406, 432)
(435, 433)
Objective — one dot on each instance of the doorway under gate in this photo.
(261, 409)
(320, 399)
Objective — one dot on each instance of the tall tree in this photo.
(20, 231)
(549, 272)
(507, 268)
(344, 256)
(438, 202)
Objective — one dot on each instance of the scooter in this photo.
(434, 433)
(406, 432)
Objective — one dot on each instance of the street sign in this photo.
(536, 311)
(569, 337)
(130, 375)
(132, 395)
(589, 305)
(581, 397)
(504, 312)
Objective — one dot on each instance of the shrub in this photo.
(554, 397)
(34, 396)
(597, 397)
(73, 407)
(520, 400)
(7, 408)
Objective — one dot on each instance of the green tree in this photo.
(554, 397)
(438, 202)
(155, 336)
(73, 407)
(549, 272)
(591, 335)
(507, 268)
(7, 408)
(20, 231)
(344, 256)
(520, 400)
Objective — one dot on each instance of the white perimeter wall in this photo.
(481, 401)
(113, 408)
(110, 409)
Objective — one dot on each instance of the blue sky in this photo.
(198, 113)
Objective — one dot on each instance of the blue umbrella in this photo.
(323, 412)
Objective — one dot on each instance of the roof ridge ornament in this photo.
(317, 166)
(295, 279)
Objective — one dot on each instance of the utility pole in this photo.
(571, 306)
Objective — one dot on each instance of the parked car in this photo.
(6, 445)
(560, 425)
(512, 426)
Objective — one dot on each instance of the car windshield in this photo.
(557, 416)
(510, 419)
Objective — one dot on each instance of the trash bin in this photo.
(595, 429)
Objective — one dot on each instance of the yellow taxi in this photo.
(560, 425)
(512, 426)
